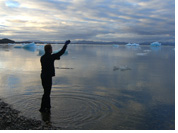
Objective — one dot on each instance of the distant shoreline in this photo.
(6, 41)
(5, 44)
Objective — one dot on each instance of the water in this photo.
(89, 93)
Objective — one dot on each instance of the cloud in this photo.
(114, 20)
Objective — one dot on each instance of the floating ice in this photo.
(29, 46)
(155, 44)
(129, 44)
(121, 68)
(132, 44)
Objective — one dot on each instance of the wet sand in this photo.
(10, 119)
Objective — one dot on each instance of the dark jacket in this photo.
(47, 62)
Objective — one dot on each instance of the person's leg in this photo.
(47, 93)
(47, 84)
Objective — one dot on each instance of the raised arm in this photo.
(62, 51)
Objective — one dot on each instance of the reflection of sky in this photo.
(148, 85)
(19, 60)
(151, 72)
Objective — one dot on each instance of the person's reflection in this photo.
(46, 117)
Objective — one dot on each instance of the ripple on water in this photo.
(78, 109)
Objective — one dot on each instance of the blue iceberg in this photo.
(30, 46)
(155, 44)
(132, 44)
(26, 46)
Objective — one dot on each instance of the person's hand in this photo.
(67, 42)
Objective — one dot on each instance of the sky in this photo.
(131, 21)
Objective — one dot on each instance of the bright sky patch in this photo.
(11, 3)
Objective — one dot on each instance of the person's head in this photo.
(48, 48)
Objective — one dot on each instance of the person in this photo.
(47, 72)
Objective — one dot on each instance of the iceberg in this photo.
(155, 44)
(129, 44)
(132, 44)
(29, 46)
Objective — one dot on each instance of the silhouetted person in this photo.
(47, 72)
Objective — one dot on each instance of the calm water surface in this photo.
(95, 87)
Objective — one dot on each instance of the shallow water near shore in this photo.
(95, 87)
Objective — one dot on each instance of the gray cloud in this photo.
(109, 20)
